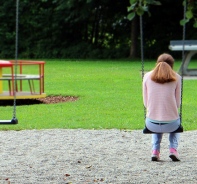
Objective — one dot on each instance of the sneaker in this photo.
(174, 155)
(155, 155)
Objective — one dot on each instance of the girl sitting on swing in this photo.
(162, 98)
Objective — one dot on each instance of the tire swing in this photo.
(14, 120)
(180, 128)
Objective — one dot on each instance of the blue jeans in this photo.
(173, 139)
(163, 127)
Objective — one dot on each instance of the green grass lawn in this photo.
(110, 96)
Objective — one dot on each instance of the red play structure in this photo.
(20, 79)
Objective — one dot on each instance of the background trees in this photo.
(88, 29)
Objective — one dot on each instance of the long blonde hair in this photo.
(163, 72)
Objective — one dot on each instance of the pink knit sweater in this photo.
(161, 100)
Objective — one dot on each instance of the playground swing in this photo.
(14, 120)
(180, 128)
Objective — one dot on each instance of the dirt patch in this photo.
(57, 99)
(46, 100)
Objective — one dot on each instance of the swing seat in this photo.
(178, 130)
(13, 121)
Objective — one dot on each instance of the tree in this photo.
(7, 29)
(89, 28)
(139, 7)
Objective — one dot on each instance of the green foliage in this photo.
(139, 7)
(195, 24)
(190, 12)
(110, 96)
(51, 29)
(89, 28)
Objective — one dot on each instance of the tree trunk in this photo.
(134, 36)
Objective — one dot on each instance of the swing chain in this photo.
(16, 58)
(141, 44)
(183, 59)
(142, 54)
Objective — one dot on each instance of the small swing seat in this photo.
(178, 130)
(13, 121)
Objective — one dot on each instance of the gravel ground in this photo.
(92, 156)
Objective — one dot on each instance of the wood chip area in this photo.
(46, 100)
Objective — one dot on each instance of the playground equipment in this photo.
(182, 45)
(21, 85)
